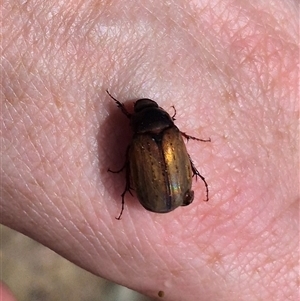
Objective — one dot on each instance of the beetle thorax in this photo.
(150, 120)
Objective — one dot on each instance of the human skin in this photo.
(230, 70)
(5, 293)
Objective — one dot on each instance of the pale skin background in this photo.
(229, 68)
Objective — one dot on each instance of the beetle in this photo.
(158, 166)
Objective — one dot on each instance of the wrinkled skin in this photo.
(229, 68)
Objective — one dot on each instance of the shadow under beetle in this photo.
(158, 166)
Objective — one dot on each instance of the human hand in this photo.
(231, 72)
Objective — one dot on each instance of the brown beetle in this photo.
(157, 164)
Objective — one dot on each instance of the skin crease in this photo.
(229, 68)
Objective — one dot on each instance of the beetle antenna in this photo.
(120, 105)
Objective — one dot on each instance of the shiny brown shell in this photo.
(157, 163)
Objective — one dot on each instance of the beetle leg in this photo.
(197, 174)
(120, 105)
(188, 137)
(125, 164)
(127, 189)
(173, 117)
(127, 185)
(123, 202)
